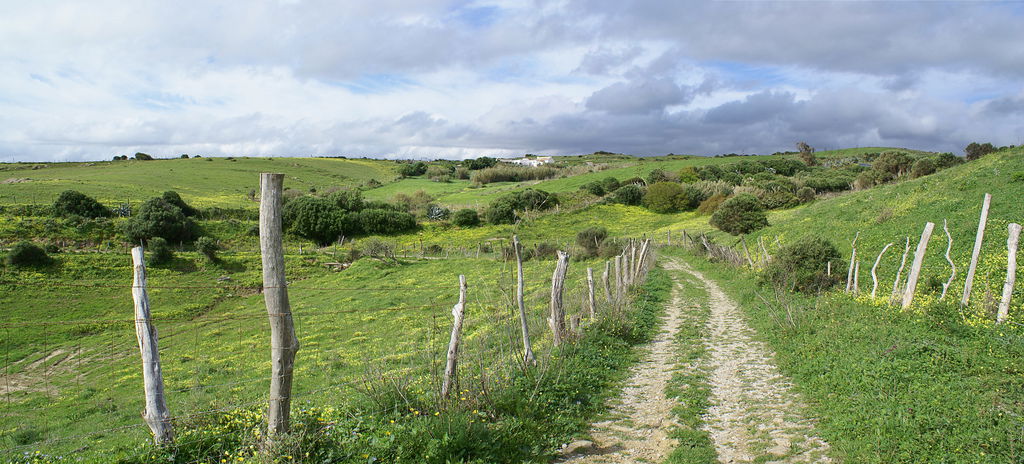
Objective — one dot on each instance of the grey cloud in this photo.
(638, 96)
(603, 59)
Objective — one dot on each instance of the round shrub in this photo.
(610, 184)
(385, 222)
(779, 199)
(412, 169)
(208, 247)
(160, 251)
(630, 194)
(317, 219)
(894, 163)
(921, 168)
(595, 188)
(74, 203)
(711, 205)
(501, 211)
(347, 200)
(28, 254)
(740, 214)
(803, 265)
(466, 217)
(439, 173)
(664, 197)
(158, 218)
(805, 195)
(173, 198)
(590, 239)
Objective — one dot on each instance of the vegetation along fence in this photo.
(448, 329)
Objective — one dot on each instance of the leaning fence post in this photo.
(604, 280)
(459, 312)
(520, 290)
(915, 268)
(557, 319)
(283, 343)
(874, 276)
(1011, 273)
(977, 250)
(952, 266)
(590, 288)
(853, 259)
(899, 273)
(156, 414)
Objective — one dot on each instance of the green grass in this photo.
(202, 181)
(895, 387)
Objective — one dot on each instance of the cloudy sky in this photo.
(432, 78)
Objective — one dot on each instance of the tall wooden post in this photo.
(1011, 273)
(528, 356)
(557, 319)
(977, 250)
(915, 268)
(590, 288)
(283, 343)
(156, 414)
(605, 276)
(618, 278)
(458, 312)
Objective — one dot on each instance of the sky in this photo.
(456, 79)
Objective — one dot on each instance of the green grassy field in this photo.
(203, 181)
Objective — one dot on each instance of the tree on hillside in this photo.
(75, 203)
(976, 150)
(807, 154)
(740, 214)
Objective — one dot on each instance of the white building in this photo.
(532, 162)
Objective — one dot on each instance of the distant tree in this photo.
(664, 197)
(159, 218)
(688, 175)
(976, 150)
(740, 214)
(893, 163)
(660, 175)
(75, 203)
(184, 156)
(438, 173)
(610, 184)
(807, 154)
(482, 162)
(921, 168)
(629, 194)
(594, 188)
(143, 157)
(412, 169)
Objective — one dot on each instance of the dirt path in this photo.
(755, 413)
(641, 417)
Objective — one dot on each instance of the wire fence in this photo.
(74, 386)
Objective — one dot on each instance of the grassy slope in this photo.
(202, 181)
(891, 213)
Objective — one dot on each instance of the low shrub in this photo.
(412, 169)
(384, 222)
(173, 198)
(711, 205)
(664, 197)
(506, 173)
(504, 210)
(805, 195)
(922, 167)
(158, 218)
(74, 203)
(779, 199)
(741, 214)
(28, 254)
(545, 250)
(590, 240)
(803, 266)
(316, 219)
(630, 194)
(466, 217)
(160, 251)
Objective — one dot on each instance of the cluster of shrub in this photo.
(344, 213)
(483, 170)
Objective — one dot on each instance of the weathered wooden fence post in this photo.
(605, 281)
(156, 414)
(641, 259)
(977, 250)
(668, 238)
(746, 252)
(557, 319)
(283, 343)
(618, 278)
(856, 279)
(952, 266)
(1011, 273)
(590, 289)
(915, 268)
(853, 259)
(874, 276)
(899, 273)
(458, 312)
(528, 357)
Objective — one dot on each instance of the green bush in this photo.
(208, 247)
(779, 199)
(630, 194)
(921, 168)
(595, 188)
(803, 265)
(412, 169)
(173, 198)
(317, 219)
(482, 162)
(384, 222)
(74, 203)
(160, 251)
(893, 163)
(503, 210)
(976, 150)
(740, 214)
(507, 173)
(610, 184)
(28, 254)
(438, 173)
(347, 200)
(143, 157)
(158, 218)
(590, 240)
(664, 197)
(466, 217)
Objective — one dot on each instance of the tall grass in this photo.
(512, 174)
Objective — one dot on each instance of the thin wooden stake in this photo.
(874, 276)
(557, 319)
(618, 278)
(156, 414)
(605, 276)
(952, 266)
(853, 259)
(283, 343)
(977, 250)
(915, 268)
(856, 279)
(746, 252)
(458, 312)
(528, 357)
(899, 273)
(1011, 273)
(590, 288)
